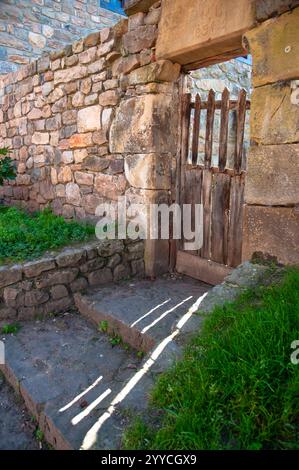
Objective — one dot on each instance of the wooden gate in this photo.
(215, 178)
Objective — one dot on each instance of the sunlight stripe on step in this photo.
(146, 328)
(90, 407)
(77, 398)
(91, 436)
(149, 312)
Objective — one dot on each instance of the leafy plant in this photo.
(39, 435)
(11, 328)
(115, 340)
(103, 326)
(7, 166)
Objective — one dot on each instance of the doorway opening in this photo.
(212, 164)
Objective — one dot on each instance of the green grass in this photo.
(24, 236)
(11, 328)
(236, 387)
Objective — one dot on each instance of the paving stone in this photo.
(141, 312)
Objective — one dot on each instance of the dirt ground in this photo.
(17, 430)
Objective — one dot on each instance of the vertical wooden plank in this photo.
(223, 130)
(206, 201)
(209, 128)
(186, 109)
(236, 221)
(241, 111)
(219, 222)
(193, 194)
(196, 128)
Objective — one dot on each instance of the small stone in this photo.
(94, 163)
(89, 119)
(69, 116)
(81, 140)
(110, 186)
(84, 178)
(136, 20)
(80, 155)
(78, 46)
(72, 194)
(85, 86)
(35, 297)
(88, 55)
(100, 137)
(140, 38)
(109, 98)
(65, 175)
(78, 99)
(37, 40)
(100, 276)
(125, 65)
(40, 138)
(91, 99)
(67, 157)
(70, 74)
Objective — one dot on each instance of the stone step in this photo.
(142, 313)
(82, 390)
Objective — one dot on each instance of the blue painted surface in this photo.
(245, 60)
(112, 5)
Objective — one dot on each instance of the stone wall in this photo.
(272, 181)
(47, 285)
(88, 123)
(29, 28)
(233, 74)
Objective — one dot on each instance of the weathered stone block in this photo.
(58, 292)
(64, 276)
(70, 257)
(12, 296)
(273, 45)
(141, 124)
(89, 119)
(109, 98)
(58, 306)
(35, 297)
(148, 171)
(83, 178)
(273, 118)
(72, 194)
(70, 74)
(109, 247)
(92, 265)
(79, 284)
(81, 140)
(110, 186)
(143, 37)
(273, 175)
(94, 163)
(100, 137)
(125, 65)
(10, 275)
(64, 175)
(267, 8)
(273, 231)
(92, 39)
(101, 276)
(161, 71)
(122, 271)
